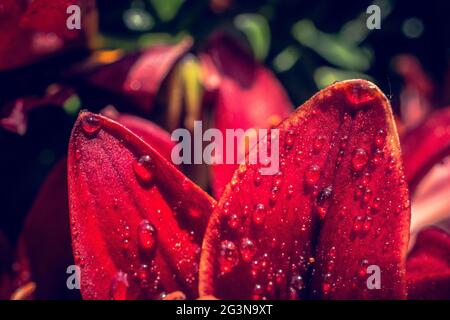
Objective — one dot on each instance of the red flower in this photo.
(339, 204)
(338, 207)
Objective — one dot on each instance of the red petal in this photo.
(47, 223)
(49, 16)
(12, 37)
(140, 75)
(30, 30)
(247, 95)
(268, 233)
(44, 245)
(426, 145)
(148, 131)
(137, 222)
(417, 93)
(428, 266)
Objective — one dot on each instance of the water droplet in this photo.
(367, 195)
(91, 124)
(119, 286)
(290, 190)
(296, 285)
(226, 208)
(359, 94)
(363, 269)
(258, 292)
(146, 236)
(312, 174)
(77, 154)
(319, 143)
(278, 180)
(289, 139)
(358, 223)
(259, 213)
(248, 249)
(379, 138)
(376, 203)
(324, 195)
(299, 158)
(142, 274)
(377, 157)
(359, 159)
(143, 169)
(366, 179)
(367, 224)
(258, 178)
(344, 211)
(233, 221)
(229, 256)
(322, 201)
(327, 283)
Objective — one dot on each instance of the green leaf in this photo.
(257, 30)
(325, 76)
(286, 59)
(166, 9)
(332, 48)
(72, 105)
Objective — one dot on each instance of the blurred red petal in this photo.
(430, 203)
(246, 95)
(338, 205)
(44, 244)
(17, 112)
(417, 93)
(137, 222)
(31, 30)
(426, 145)
(428, 266)
(140, 75)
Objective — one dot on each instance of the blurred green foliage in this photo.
(309, 44)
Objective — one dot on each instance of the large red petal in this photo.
(246, 95)
(137, 222)
(338, 204)
(44, 250)
(428, 267)
(140, 75)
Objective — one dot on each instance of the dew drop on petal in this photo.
(248, 249)
(259, 213)
(233, 221)
(119, 286)
(143, 169)
(289, 139)
(312, 174)
(359, 159)
(319, 143)
(229, 256)
(379, 138)
(358, 223)
(146, 236)
(90, 124)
